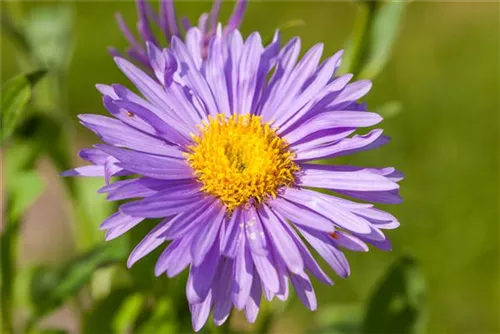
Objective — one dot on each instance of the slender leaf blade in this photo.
(398, 304)
(16, 94)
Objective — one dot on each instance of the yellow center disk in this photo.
(240, 160)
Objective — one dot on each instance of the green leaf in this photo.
(98, 319)
(375, 31)
(16, 94)
(383, 35)
(49, 30)
(162, 319)
(339, 319)
(50, 287)
(398, 304)
(28, 186)
(124, 319)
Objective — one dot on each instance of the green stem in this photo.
(360, 37)
(8, 264)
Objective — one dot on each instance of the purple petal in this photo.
(243, 275)
(254, 232)
(143, 24)
(253, 303)
(116, 133)
(281, 240)
(168, 19)
(328, 207)
(345, 146)
(201, 277)
(158, 207)
(267, 271)
(204, 213)
(237, 15)
(126, 31)
(350, 242)
(160, 167)
(340, 178)
(93, 155)
(222, 292)
(149, 243)
(301, 215)
(90, 171)
(330, 120)
(176, 135)
(304, 290)
(200, 312)
(206, 237)
(115, 232)
(117, 219)
(247, 73)
(325, 248)
(233, 234)
(175, 258)
(145, 187)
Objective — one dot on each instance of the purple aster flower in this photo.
(168, 23)
(223, 151)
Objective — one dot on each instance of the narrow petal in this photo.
(222, 292)
(115, 232)
(328, 207)
(350, 242)
(206, 237)
(90, 171)
(200, 312)
(345, 146)
(243, 275)
(149, 243)
(299, 214)
(340, 178)
(158, 207)
(118, 219)
(331, 120)
(253, 303)
(281, 240)
(201, 277)
(233, 234)
(321, 243)
(237, 15)
(304, 290)
(256, 238)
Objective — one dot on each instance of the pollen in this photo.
(241, 160)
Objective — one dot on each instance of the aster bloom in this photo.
(222, 150)
(166, 20)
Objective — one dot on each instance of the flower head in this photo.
(166, 19)
(223, 151)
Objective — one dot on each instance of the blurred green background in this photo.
(445, 73)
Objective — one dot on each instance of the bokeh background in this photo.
(444, 73)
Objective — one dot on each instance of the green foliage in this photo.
(20, 195)
(48, 30)
(382, 35)
(369, 48)
(398, 304)
(15, 95)
(99, 319)
(340, 319)
(50, 287)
